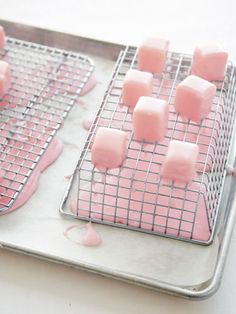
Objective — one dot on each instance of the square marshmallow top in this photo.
(136, 84)
(209, 61)
(150, 119)
(152, 55)
(5, 77)
(180, 161)
(194, 98)
(109, 148)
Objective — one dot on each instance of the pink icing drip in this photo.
(29, 189)
(1, 174)
(91, 237)
(89, 85)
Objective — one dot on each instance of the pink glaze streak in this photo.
(52, 153)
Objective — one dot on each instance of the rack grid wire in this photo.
(135, 196)
(45, 85)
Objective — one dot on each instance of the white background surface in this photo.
(28, 285)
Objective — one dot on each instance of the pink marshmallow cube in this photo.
(2, 37)
(109, 148)
(136, 84)
(209, 61)
(5, 77)
(194, 98)
(152, 55)
(180, 161)
(150, 119)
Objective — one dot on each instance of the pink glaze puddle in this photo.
(90, 238)
(51, 154)
(152, 209)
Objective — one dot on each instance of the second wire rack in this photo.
(45, 85)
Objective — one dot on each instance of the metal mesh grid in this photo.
(134, 196)
(45, 84)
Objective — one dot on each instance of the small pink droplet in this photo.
(87, 122)
(80, 102)
(103, 177)
(67, 177)
(145, 146)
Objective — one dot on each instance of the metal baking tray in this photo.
(167, 265)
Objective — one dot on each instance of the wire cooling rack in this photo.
(45, 84)
(134, 196)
